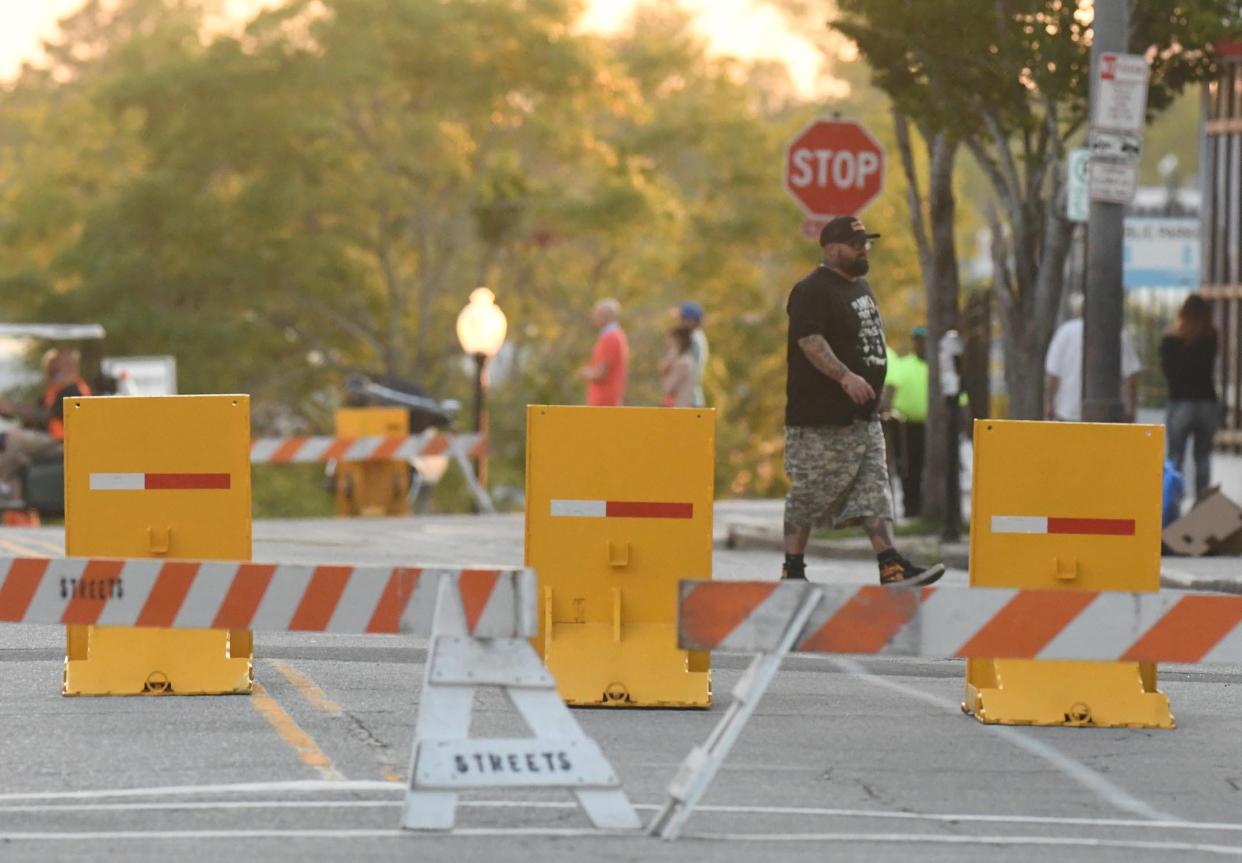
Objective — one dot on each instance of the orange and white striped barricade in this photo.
(479, 622)
(319, 449)
(773, 619)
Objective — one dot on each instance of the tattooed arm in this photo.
(819, 352)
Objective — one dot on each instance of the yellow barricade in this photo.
(160, 477)
(618, 509)
(372, 487)
(1075, 506)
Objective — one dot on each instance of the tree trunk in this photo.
(1024, 362)
(942, 315)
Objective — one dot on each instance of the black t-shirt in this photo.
(1189, 368)
(846, 315)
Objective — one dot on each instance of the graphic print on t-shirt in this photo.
(870, 331)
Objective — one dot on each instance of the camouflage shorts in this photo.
(838, 475)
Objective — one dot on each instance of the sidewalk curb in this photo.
(741, 537)
(1211, 585)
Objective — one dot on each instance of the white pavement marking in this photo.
(397, 790)
(940, 839)
(561, 832)
(1079, 772)
(790, 811)
(294, 785)
(32, 546)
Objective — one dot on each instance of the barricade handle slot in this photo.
(618, 554)
(159, 539)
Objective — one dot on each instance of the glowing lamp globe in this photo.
(481, 325)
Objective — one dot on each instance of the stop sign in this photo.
(834, 168)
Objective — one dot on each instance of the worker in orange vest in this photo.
(43, 433)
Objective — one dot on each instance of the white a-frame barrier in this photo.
(446, 760)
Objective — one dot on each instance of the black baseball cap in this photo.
(844, 229)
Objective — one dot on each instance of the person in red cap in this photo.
(834, 446)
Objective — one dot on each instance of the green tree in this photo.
(320, 193)
(1009, 80)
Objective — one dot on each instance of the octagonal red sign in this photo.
(834, 168)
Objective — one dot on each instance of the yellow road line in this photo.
(320, 700)
(307, 687)
(292, 733)
(19, 549)
(49, 547)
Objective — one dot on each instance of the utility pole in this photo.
(1102, 318)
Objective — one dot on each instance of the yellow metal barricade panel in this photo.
(618, 509)
(1075, 506)
(166, 477)
(372, 488)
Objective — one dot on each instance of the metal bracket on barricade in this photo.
(325, 448)
(774, 619)
(479, 622)
(446, 760)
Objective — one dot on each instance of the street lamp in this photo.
(481, 328)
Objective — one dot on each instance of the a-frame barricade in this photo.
(446, 760)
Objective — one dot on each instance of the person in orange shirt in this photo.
(608, 370)
(44, 436)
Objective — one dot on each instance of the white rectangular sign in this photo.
(1116, 145)
(518, 762)
(1120, 93)
(143, 376)
(1077, 202)
(1113, 182)
(1160, 253)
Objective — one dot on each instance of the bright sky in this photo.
(751, 29)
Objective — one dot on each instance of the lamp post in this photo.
(481, 328)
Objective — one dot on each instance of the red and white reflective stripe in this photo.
(306, 450)
(1038, 524)
(976, 623)
(157, 481)
(261, 596)
(575, 508)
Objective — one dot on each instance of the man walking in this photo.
(834, 447)
(608, 370)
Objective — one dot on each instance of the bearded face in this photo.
(858, 266)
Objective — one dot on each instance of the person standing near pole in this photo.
(834, 446)
(691, 316)
(905, 393)
(1188, 360)
(1063, 371)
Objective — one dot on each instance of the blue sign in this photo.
(1161, 252)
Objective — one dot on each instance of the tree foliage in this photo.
(1009, 79)
(319, 193)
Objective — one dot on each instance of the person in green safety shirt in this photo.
(905, 396)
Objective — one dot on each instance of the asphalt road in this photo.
(845, 759)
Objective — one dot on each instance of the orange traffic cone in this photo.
(21, 518)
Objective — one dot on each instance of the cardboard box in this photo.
(1213, 526)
